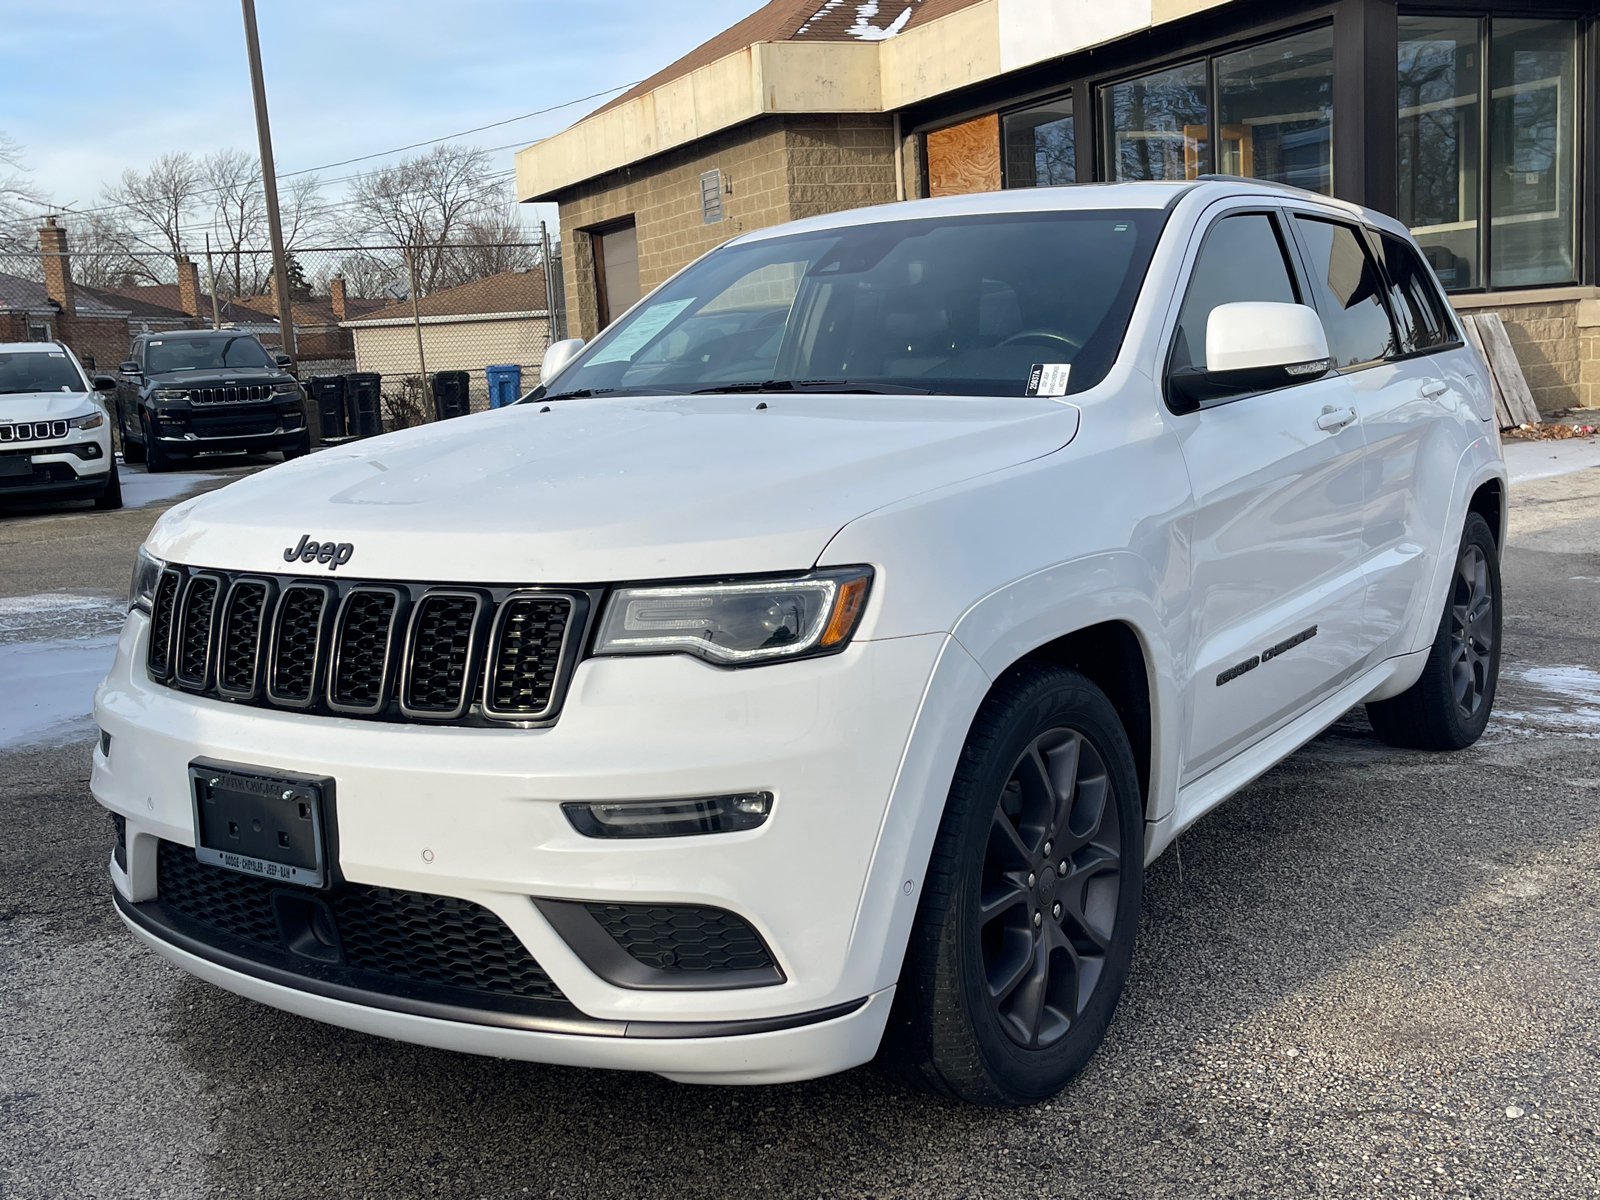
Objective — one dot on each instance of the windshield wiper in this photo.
(583, 393)
(815, 385)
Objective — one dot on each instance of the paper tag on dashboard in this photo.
(1048, 379)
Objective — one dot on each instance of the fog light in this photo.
(670, 818)
(120, 854)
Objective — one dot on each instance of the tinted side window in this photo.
(1349, 292)
(1418, 309)
(1242, 259)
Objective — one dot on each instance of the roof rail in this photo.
(1266, 183)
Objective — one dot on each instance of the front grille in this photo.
(676, 937)
(33, 431)
(387, 936)
(385, 651)
(231, 395)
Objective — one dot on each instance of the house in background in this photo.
(1474, 122)
(498, 319)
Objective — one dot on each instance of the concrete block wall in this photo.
(774, 170)
(1556, 336)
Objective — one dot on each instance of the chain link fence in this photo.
(385, 337)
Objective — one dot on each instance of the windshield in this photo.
(951, 305)
(202, 353)
(40, 371)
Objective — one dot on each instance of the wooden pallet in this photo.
(1513, 400)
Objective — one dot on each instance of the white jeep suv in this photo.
(55, 432)
(808, 670)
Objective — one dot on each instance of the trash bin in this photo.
(505, 383)
(364, 396)
(327, 397)
(450, 395)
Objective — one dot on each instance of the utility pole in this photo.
(416, 323)
(269, 184)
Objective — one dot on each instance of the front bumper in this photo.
(222, 429)
(63, 472)
(475, 814)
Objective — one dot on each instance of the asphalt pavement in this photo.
(1373, 972)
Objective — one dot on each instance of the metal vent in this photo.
(529, 637)
(242, 638)
(192, 665)
(711, 197)
(297, 644)
(439, 655)
(163, 609)
(365, 639)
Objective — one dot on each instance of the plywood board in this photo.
(1502, 416)
(1507, 370)
(965, 158)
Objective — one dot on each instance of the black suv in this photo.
(193, 390)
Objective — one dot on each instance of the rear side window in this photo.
(1242, 259)
(1349, 292)
(1418, 307)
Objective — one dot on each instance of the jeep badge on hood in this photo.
(335, 555)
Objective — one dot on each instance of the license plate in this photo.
(270, 826)
(16, 464)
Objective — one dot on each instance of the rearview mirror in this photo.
(104, 383)
(558, 356)
(1253, 346)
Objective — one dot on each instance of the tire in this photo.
(299, 449)
(1000, 843)
(132, 451)
(1448, 707)
(111, 498)
(156, 459)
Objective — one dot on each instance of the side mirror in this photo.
(1254, 346)
(129, 368)
(104, 383)
(283, 360)
(557, 357)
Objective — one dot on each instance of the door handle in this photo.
(1334, 419)
(1433, 389)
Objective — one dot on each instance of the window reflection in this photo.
(1275, 111)
(1439, 181)
(1530, 151)
(1039, 145)
(1157, 126)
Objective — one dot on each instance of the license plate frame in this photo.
(15, 465)
(269, 824)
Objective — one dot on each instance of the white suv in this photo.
(807, 672)
(55, 432)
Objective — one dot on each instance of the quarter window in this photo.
(1414, 299)
(1242, 259)
(1349, 292)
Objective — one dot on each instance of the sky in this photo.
(89, 87)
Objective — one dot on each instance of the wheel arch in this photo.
(1489, 502)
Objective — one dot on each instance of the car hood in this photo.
(611, 489)
(43, 406)
(217, 377)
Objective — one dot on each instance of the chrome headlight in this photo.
(285, 388)
(169, 394)
(147, 570)
(736, 624)
(89, 421)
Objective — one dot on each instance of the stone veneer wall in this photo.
(774, 170)
(1556, 335)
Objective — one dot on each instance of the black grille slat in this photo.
(678, 937)
(440, 654)
(297, 644)
(361, 661)
(243, 621)
(526, 663)
(194, 631)
(162, 610)
(388, 936)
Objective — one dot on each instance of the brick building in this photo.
(1473, 121)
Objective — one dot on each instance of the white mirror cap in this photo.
(1262, 334)
(558, 356)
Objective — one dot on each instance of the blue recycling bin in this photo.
(505, 383)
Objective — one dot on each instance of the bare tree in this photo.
(372, 274)
(19, 199)
(158, 200)
(102, 252)
(423, 203)
(239, 218)
(489, 244)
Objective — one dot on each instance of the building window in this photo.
(1039, 145)
(1510, 156)
(38, 331)
(1265, 112)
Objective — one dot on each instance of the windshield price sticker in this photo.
(639, 331)
(1048, 379)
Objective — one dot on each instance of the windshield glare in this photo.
(40, 371)
(203, 353)
(953, 305)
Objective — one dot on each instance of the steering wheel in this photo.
(1041, 337)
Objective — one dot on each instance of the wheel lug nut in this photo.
(1056, 911)
(1031, 878)
(1047, 849)
(1038, 919)
(1063, 869)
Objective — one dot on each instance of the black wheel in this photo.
(1449, 706)
(156, 459)
(132, 450)
(1026, 926)
(112, 496)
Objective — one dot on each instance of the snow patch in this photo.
(49, 688)
(864, 28)
(140, 488)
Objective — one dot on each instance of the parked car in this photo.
(765, 694)
(55, 438)
(192, 391)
